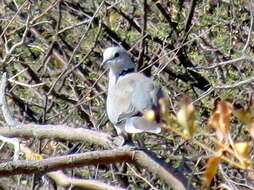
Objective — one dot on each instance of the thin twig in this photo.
(215, 65)
(16, 14)
(45, 11)
(139, 176)
(20, 43)
(75, 49)
(251, 27)
(236, 84)
(73, 26)
(27, 85)
(224, 87)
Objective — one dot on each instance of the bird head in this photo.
(117, 59)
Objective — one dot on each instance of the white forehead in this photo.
(111, 51)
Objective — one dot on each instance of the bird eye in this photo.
(117, 54)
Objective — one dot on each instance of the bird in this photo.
(133, 99)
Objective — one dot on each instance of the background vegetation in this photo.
(52, 50)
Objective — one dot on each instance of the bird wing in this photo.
(119, 99)
(131, 95)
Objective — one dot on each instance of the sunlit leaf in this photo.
(29, 154)
(33, 156)
(164, 105)
(112, 17)
(251, 130)
(150, 115)
(220, 120)
(211, 169)
(186, 117)
(244, 115)
(243, 149)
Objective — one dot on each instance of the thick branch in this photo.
(61, 179)
(67, 161)
(151, 162)
(143, 159)
(58, 132)
(3, 103)
(190, 16)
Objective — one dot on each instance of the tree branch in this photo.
(5, 109)
(144, 159)
(67, 161)
(61, 179)
(62, 132)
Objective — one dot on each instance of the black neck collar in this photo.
(124, 72)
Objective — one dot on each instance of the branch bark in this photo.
(62, 132)
(61, 179)
(144, 159)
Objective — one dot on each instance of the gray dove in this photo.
(130, 95)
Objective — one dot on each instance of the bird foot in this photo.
(119, 141)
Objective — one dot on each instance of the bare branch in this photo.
(227, 86)
(58, 132)
(236, 84)
(5, 109)
(190, 16)
(148, 160)
(45, 11)
(143, 159)
(16, 14)
(251, 27)
(76, 48)
(215, 65)
(67, 161)
(61, 179)
(9, 51)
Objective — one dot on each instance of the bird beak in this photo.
(105, 62)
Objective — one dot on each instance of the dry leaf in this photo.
(186, 117)
(244, 115)
(243, 150)
(251, 130)
(220, 120)
(33, 156)
(211, 169)
(164, 106)
(112, 17)
(29, 154)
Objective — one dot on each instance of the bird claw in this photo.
(119, 141)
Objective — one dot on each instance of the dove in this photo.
(133, 98)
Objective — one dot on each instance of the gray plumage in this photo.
(130, 94)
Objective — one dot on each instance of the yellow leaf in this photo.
(243, 150)
(251, 130)
(164, 105)
(186, 117)
(112, 17)
(29, 154)
(150, 115)
(34, 156)
(211, 169)
(244, 115)
(220, 120)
